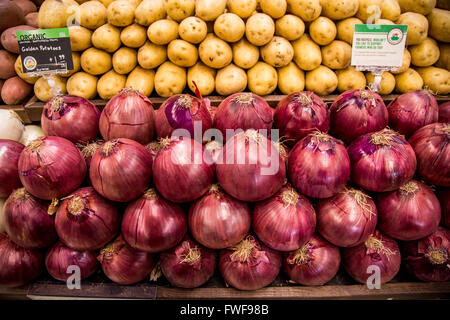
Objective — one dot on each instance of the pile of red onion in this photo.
(9, 158)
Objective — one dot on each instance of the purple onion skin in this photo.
(9, 158)
(444, 199)
(185, 274)
(444, 112)
(296, 119)
(418, 257)
(372, 165)
(432, 147)
(356, 260)
(27, 221)
(284, 226)
(18, 266)
(319, 169)
(76, 120)
(90, 227)
(320, 266)
(59, 257)
(412, 111)
(53, 169)
(352, 115)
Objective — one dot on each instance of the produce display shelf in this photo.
(20, 110)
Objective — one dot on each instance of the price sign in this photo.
(45, 51)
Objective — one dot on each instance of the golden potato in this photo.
(182, 53)
(203, 76)
(80, 38)
(345, 29)
(390, 10)
(274, 8)
(230, 79)
(209, 10)
(262, 79)
(243, 8)
(120, 13)
(107, 38)
(417, 27)
(321, 80)
(444, 57)
(55, 13)
(350, 78)
(193, 30)
(22, 75)
(439, 22)
(245, 55)
(151, 55)
(289, 27)
(162, 31)
(110, 84)
(83, 85)
(215, 52)
(338, 10)
(419, 6)
(149, 11)
(92, 14)
(307, 10)
(307, 54)
(387, 84)
(170, 79)
(291, 79)
(180, 9)
(95, 61)
(45, 89)
(369, 11)
(337, 55)
(410, 80)
(229, 27)
(133, 36)
(259, 29)
(425, 54)
(322, 31)
(76, 65)
(278, 52)
(106, 3)
(435, 79)
(141, 80)
(124, 60)
(405, 62)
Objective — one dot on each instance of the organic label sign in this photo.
(45, 51)
(377, 45)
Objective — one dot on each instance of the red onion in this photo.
(356, 112)
(129, 114)
(318, 165)
(428, 259)
(153, 224)
(409, 213)
(347, 219)
(444, 199)
(181, 111)
(188, 265)
(284, 222)
(121, 170)
(217, 220)
(27, 220)
(411, 111)
(60, 257)
(314, 264)
(9, 157)
(88, 150)
(381, 161)
(444, 112)
(243, 110)
(124, 264)
(70, 117)
(299, 114)
(18, 266)
(249, 265)
(154, 147)
(432, 147)
(252, 168)
(86, 221)
(180, 171)
(378, 250)
(51, 167)
(212, 109)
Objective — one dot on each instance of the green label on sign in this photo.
(42, 34)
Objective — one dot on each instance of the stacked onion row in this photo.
(242, 194)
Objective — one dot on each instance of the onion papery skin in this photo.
(59, 257)
(188, 265)
(379, 250)
(121, 170)
(85, 221)
(428, 259)
(9, 158)
(181, 111)
(319, 166)
(214, 150)
(130, 115)
(218, 220)
(88, 151)
(444, 112)
(412, 111)
(243, 110)
(252, 168)
(30, 133)
(314, 264)
(51, 167)
(27, 221)
(299, 114)
(284, 222)
(347, 219)
(357, 112)
(70, 117)
(444, 199)
(153, 147)
(182, 171)
(18, 265)
(153, 224)
(432, 147)
(257, 267)
(124, 264)
(409, 213)
(381, 161)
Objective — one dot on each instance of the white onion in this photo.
(12, 127)
(2, 204)
(30, 133)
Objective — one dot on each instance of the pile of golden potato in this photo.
(229, 46)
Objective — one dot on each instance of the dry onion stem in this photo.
(151, 193)
(377, 245)
(53, 207)
(56, 105)
(409, 188)
(251, 135)
(246, 98)
(164, 142)
(193, 255)
(34, 145)
(156, 272)
(304, 98)
(244, 249)
(437, 256)
(289, 197)
(301, 255)
(360, 198)
(75, 205)
(185, 101)
(384, 137)
(108, 147)
(88, 149)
